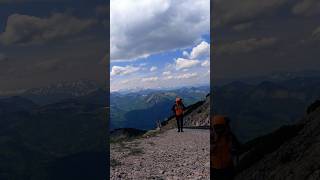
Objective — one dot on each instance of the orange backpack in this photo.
(179, 109)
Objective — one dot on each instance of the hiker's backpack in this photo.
(179, 109)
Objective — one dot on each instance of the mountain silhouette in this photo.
(291, 152)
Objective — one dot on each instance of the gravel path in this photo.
(169, 155)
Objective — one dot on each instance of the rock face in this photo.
(168, 155)
(199, 116)
(295, 159)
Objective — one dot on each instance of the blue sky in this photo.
(163, 44)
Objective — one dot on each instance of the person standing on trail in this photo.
(178, 109)
(224, 150)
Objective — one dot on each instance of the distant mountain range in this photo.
(273, 77)
(142, 109)
(42, 137)
(257, 109)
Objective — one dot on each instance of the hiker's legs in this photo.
(181, 123)
(178, 124)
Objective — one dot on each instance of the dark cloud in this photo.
(254, 38)
(316, 34)
(29, 1)
(307, 7)
(231, 11)
(3, 57)
(25, 29)
(245, 46)
(242, 26)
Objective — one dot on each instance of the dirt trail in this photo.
(169, 155)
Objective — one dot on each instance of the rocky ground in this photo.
(168, 155)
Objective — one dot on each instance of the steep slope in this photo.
(296, 156)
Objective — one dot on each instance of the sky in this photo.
(48, 41)
(159, 44)
(257, 38)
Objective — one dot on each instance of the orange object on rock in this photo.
(219, 119)
(221, 157)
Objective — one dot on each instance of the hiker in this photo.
(178, 109)
(224, 150)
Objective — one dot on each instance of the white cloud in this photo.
(153, 68)
(168, 77)
(166, 73)
(125, 81)
(25, 29)
(149, 79)
(181, 76)
(182, 63)
(205, 63)
(123, 70)
(187, 76)
(140, 28)
(203, 49)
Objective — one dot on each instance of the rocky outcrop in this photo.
(198, 115)
(298, 157)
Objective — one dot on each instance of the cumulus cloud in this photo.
(149, 79)
(141, 28)
(181, 76)
(187, 76)
(166, 73)
(123, 70)
(153, 68)
(169, 77)
(203, 49)
(25, 29)
(307, 7)
(182, 63)
(205, 63)
(247, 45)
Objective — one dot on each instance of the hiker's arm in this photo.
(184, 107)
(173, 109)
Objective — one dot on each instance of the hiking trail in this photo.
(169, 155)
